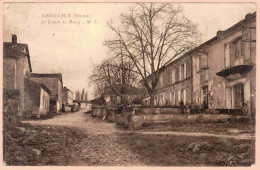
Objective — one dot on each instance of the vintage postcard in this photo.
(140, 84)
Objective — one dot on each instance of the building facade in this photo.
(218, 74)
(224, 68)
(16, 67)
(174, 85)
(67, 96)
(37, 99)
(54, 83)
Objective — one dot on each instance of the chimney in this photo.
(14, 39)
(220, 34)
(248, 16)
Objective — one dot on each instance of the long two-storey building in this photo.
(220, 73)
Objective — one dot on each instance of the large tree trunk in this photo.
(151, 100)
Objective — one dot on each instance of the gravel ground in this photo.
(72, 139)
(78, 139)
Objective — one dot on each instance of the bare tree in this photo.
(113, 74)
(151, 35)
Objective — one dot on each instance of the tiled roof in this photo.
(16, 50)
(38, 84)
(51, 75)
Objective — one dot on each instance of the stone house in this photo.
(224, 68)
(67, 96)
(175, 83)
(54, 83)
(16, 67)
(37, 99)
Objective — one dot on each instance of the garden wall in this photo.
(137, 121)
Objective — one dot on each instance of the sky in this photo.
(68, 38)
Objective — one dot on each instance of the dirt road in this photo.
(100, 148)
(79, 120)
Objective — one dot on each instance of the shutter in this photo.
(247, 92)
(246, 50)
(180, 73)
(198, 63)
(185, 71)
(173, 76)
(227, 55)
(231, 49)
(184, 96)
(228, 98)
(163, 99)
(170, 98)
(179, 96)
(174, 101)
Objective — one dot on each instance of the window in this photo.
(238, 96)
(182, 72)
(204, 96)
(237, 50)
(173, 76)
(173, 98)
(203, 61)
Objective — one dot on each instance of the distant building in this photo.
(67, 96)
(16, 67)
(54, 83)
(37, 99)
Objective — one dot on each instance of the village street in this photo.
(106, 145)
(80, 120)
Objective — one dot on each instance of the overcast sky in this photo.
(73, 49)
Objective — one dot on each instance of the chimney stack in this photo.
(14, 39)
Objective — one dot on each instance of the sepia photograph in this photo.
(140, 84)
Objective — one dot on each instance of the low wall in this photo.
(137, 121)
(161, 111)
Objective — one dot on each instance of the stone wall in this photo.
(14, 72)
(10, 106)
(31, 98)
(138, 121)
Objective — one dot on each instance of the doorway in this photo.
(238, 92)
(204, 97)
